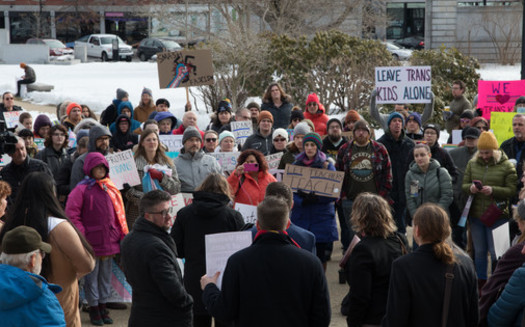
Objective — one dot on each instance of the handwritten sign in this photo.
(242, 130)
(227, 160)
(12, 118)
(176, 203)
(277, 173)
(185, 68)
(501, 125)
(248, 212)
(122, 169)
(498, 96)
(39, 142)
(403, 84)
(323, 182)
(273, 160)
(173, 142)
(219, 247)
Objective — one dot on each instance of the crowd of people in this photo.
(65, 221)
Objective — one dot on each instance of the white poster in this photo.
(501, 237)
(273, 160)
(227, 160)
(278, 174)
(219, 247)
(456, 136)
(173, 142)
(248, 212)
(403, 84)
(12, 118)
(122, 169)
(242, 130)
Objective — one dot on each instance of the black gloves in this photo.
(308, 198)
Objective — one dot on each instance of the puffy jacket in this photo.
(281, 115)
(27, 299)
(258, 142)
(247, 190)
(91, 210)
(434, 186)
(499, 173)
(135, 124)
(52, 158)
(192, 170)
(508, 309)
(444, 159)
(319, 119)
(289, 156)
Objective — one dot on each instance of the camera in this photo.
(8, 140)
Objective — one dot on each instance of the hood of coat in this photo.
(166, 114)
(85, 123)
(94, 133)
(206, 203)
(117, 121)
(125, 104)
(434, 164)
(92, 160)
(498, 157)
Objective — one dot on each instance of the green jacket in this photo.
(432, 188)
(499, 173)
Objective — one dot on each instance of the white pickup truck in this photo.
(101, 46)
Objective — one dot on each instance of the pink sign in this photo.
(499, 96)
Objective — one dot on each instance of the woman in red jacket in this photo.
(316, 113)
(250, 178)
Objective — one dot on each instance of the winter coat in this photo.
(273, 274)
(180, 131)
(142, 112)
(149, 260)
(109, 115)
(320, 119)
(193, 170)
(443, 157)
(434, 186)
(417, 288)
(508, 309)
(317, 217)
(63, 175)
(457, 107)
(27, 299)
(247, 190)
(217, 126)
(123, 141)
(208, 214)
(52, 158)
(368, 275)
(330, 149)
(14, 174)
(499, 173)
(69, 124)
(29, 73)
(258, 142)
(91, 210)
(305, 239)
(399, 151)
(134, 123)
(460, 156)
(510, 147)
(164, 115)
(281, 115)
(289, 156)
(381, 164)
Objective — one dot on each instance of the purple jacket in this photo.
(90, 208)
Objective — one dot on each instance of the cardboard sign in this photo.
(501, 125)
(242, 130)
(12, 118)
(323, 182)
(248, 212)
(122, 169)
(403, 84)
(498, 96)
(173, 142)
(185, 68)
(277, 173)
(227, 160)
(219, 247)
(273, 160)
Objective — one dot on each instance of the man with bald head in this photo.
(189, 119)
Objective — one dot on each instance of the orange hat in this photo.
(352, 116)
(487, 141)
(71, 106)
(264, 115)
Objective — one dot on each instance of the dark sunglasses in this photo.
(279, 139)
(211, 140)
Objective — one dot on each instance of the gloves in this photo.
(126, 186)
(308, 198)
(155, 174)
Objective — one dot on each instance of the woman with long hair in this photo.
(368, 268)
(208, 214)
(418, 280)
(250, 178)
(150, 152)
(278, 103)
(71, 258)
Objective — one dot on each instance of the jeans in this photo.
(483, 244)
(346, 205)
(23, 81)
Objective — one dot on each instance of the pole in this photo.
(188, 103)
(523, 41)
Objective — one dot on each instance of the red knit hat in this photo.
(312, 97)
(71, 106)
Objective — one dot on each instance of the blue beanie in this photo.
(415, 116)
(393, 115)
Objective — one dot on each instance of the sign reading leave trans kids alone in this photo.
(403, 84)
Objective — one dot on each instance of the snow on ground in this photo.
(95, 84)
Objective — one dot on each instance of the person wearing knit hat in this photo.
(280, 140)
(261, 140)
(301, 129)
(222, 117)
(487, 141)
(74, 116)
(109, 115)
(146, 106)
(28, 78)
(296, 117)
(226, 142)
(122, 95)
(189, 133)
(480, 123)
(413, 126)
(334, 120)
(334, 139)
(255, 109)
(315, 111)
(315, 138)
(41, 126)
(351, 117)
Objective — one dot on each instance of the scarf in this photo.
(316, 162)
(116, 198)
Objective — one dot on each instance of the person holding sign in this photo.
(491, 179)
(209, 213)
(313, 212)
(8, 104)
(250, 178)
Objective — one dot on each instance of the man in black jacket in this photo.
(261, 140)
(271, 283)
(149, 260)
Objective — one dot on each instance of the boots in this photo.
(105, 314)
(94, 316)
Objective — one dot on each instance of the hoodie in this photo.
(123, 141)
(163, 115)
(41, 121)
(319, 118)
(134, 123)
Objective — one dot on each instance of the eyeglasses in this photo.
(211, 140)
(163, 213)
(279, 139)
(59, 134)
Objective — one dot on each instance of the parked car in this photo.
(152, 45)
(398, 52)
(411, 42)
(101, 46)
(56, 48)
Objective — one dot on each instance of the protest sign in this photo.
(122, 169)
(501, 237)
(188, 198)
(173, 142)
(278, 174)
(219, 247)
(323, 182)
(290, 134)
(456, 136)
(177, 202)
(273, 160)
(248, 212)
(227, 160)
(403, 84)
(501, 125)
(120, 288)
(39, 143)
(498, 96)
(11, 118)
(242, 130)
(185, 68)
